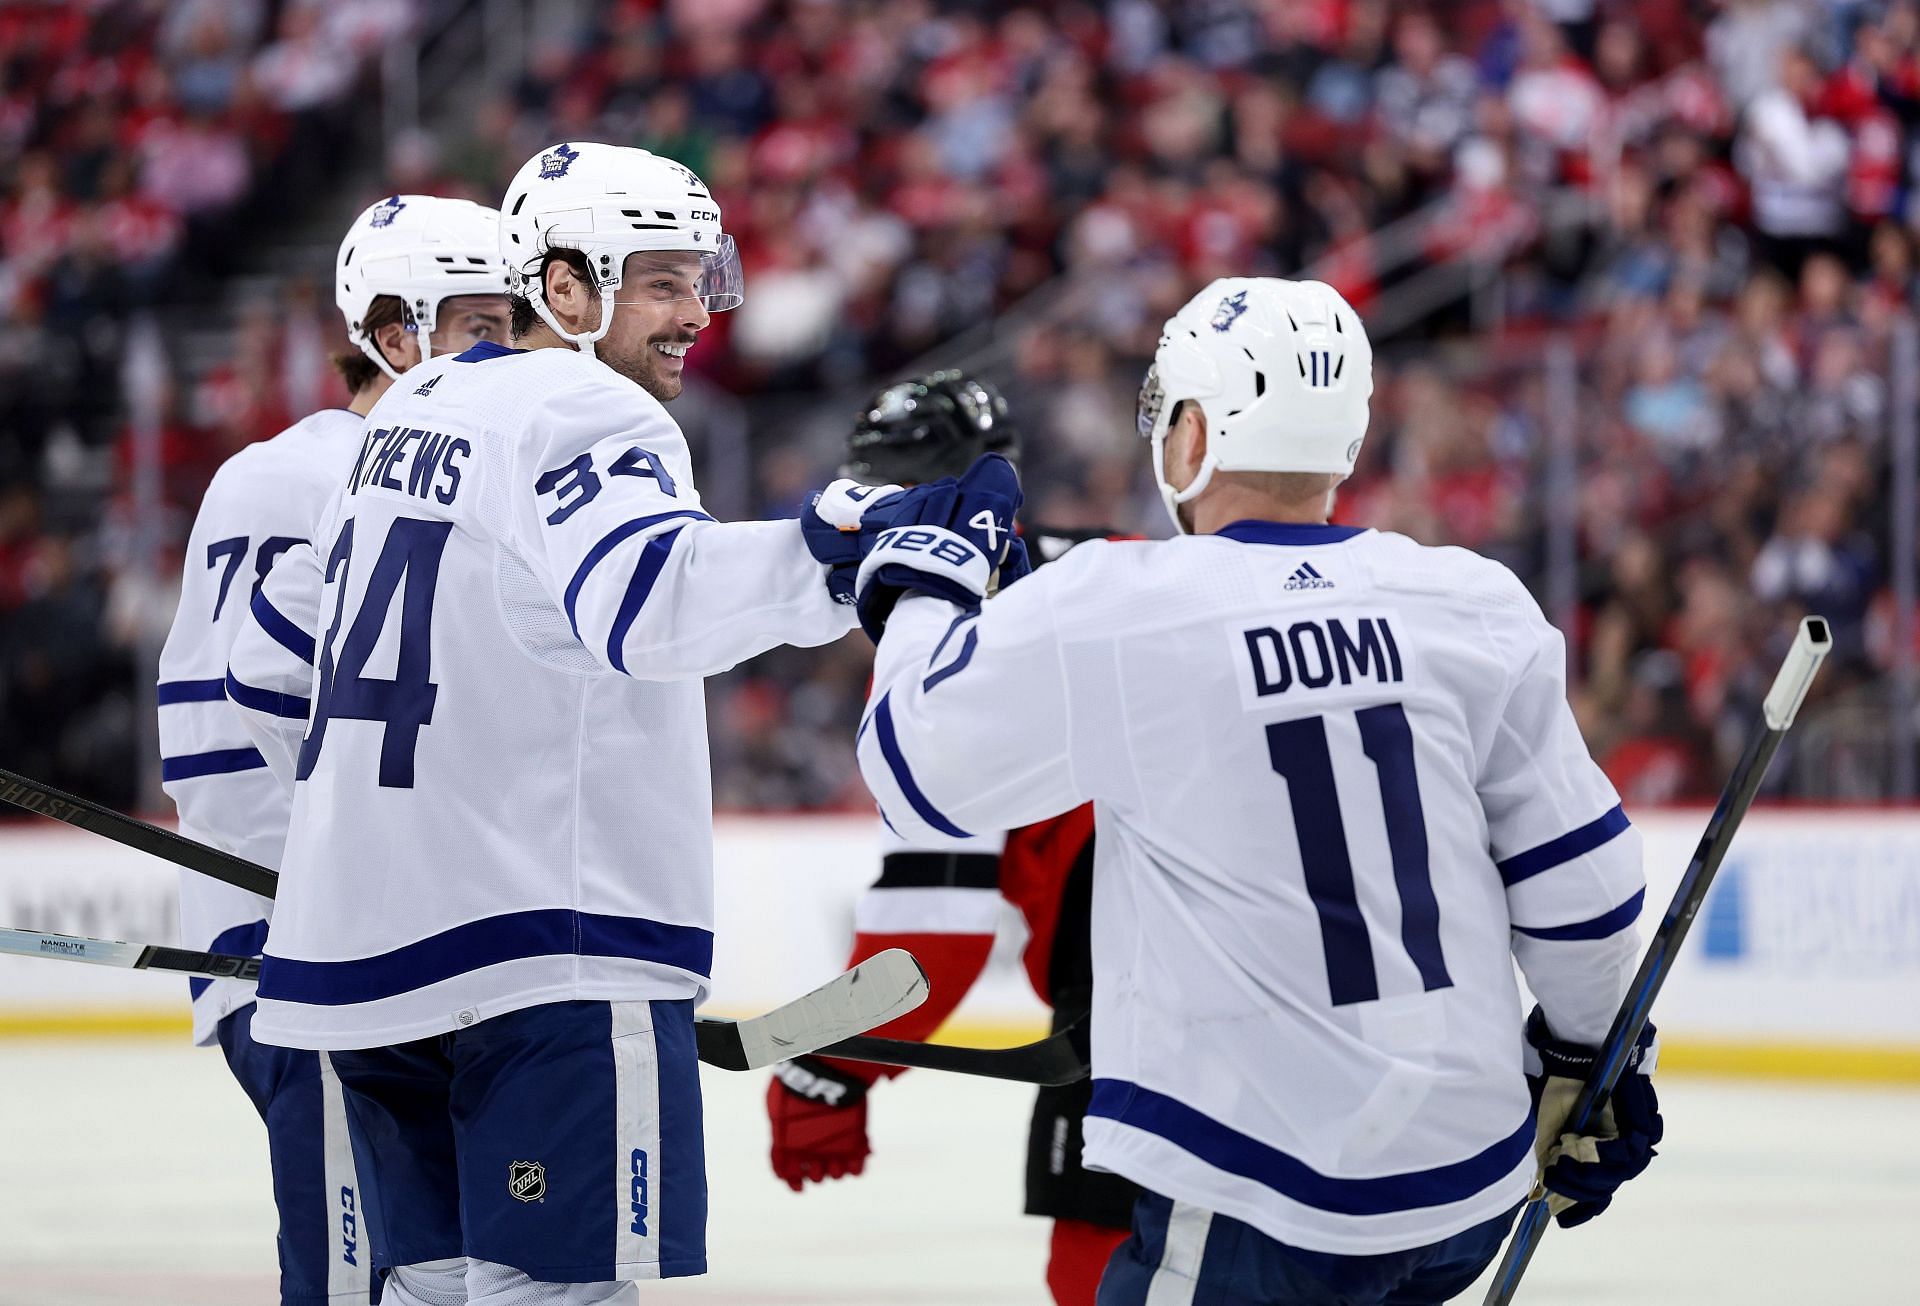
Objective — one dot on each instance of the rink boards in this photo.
(1805, 960)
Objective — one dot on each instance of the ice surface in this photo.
(136, 1172)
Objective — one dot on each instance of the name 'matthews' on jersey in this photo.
(501, 794)
(1338, 792)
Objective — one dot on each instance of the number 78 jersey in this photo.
(1338, 791)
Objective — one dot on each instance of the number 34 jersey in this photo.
(501, 791)
(1338, 791)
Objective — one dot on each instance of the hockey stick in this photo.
(881, 988)
(128, 956)
(1812, 644)
(884, 986)
(45, 800)
(1053, 1061)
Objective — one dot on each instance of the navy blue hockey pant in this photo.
(562, 1140)
(1180, 1255)
(324, 1257)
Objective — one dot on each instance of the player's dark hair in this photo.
(353, 365)
(930, 427)
(525, 320)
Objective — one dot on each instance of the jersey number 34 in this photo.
(1299, 752)
(409, 566)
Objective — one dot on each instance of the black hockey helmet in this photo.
(929, 427)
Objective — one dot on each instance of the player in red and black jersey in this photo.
(941, 903)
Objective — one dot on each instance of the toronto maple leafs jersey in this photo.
(266, 499)
(501, 795)
(1337, 791)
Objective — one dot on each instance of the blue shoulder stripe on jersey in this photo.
(612, 540)
(1600, 927)
(191, 691)
(645, 572)
(1557, 852)
(555, 931)
(1288, 532)
(287, 635)
(903, 775)
(1228, 1149)
(220, 761)
(291, 706)
(481, 350)
(238, 941)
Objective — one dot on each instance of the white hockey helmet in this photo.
(608, 201)
(421, 249)
(1281, 369)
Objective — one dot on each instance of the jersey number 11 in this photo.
(1299, 752)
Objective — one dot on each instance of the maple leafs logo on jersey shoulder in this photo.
(1230, 310)
(386, 211)
(556, 161)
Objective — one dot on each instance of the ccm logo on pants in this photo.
(637, 1193)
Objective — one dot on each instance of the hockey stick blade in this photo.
(127, 956)
(44, 800)
(1053, 1061)
(885, 986)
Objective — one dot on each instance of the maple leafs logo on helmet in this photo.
(555, 162)
(1229, 311)
(383, 213)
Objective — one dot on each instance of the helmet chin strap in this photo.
(583, 340)
(371, 347)
(1170, 497)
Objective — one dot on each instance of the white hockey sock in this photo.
(489, 1284)
(428, 1283)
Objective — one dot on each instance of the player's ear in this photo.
(397, 344)
(1188, 443)
(567, 294)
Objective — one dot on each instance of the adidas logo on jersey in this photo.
(426, 387)
(1306, 578)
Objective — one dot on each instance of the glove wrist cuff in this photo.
(816, 1081)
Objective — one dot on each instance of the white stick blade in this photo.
(881, 988)
(68, 947)
(1811, 645)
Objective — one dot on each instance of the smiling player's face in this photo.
(657, 317)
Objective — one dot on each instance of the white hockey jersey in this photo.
(502, 798)
(266, 499)
(1338, 789)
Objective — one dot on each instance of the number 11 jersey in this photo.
(1337, 790)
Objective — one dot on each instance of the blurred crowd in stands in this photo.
(1708, 207)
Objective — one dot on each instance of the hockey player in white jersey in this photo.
(497, 903)
(1338, 791)
(415, 274)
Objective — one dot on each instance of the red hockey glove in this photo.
(819, 1117)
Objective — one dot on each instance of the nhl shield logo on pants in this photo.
(527, 1180)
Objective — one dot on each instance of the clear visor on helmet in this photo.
(1153, 397)
(660, 276)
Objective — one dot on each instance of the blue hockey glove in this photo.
(838, 532)
(1582, 1171)
(946, 538)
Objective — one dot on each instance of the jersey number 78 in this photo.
(409, 566)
